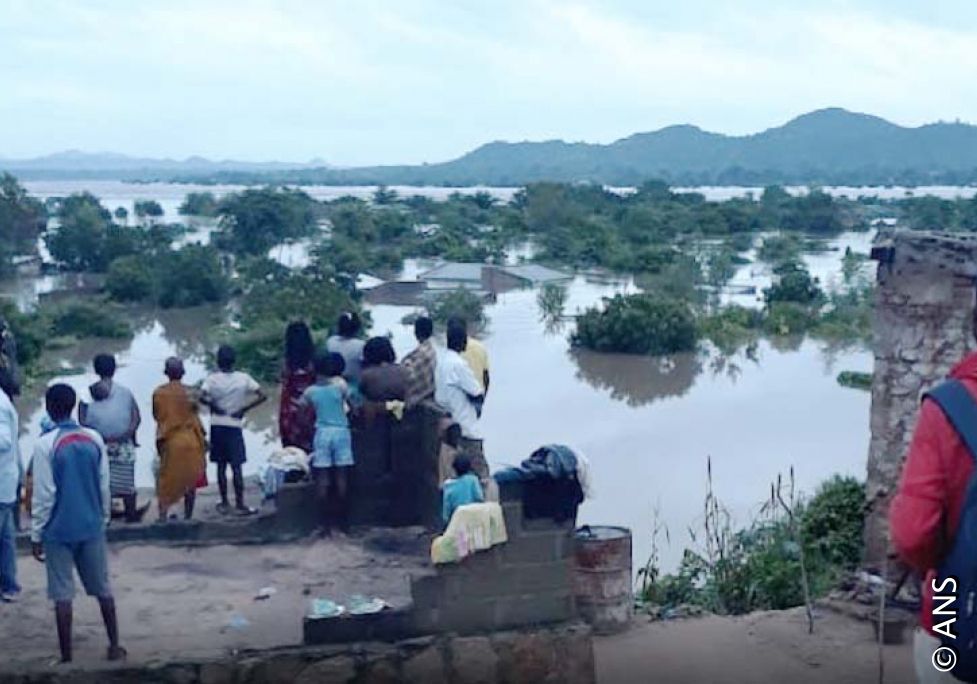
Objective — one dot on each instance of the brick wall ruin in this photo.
(526, 582)
(922, 327)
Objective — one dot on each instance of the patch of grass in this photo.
(855, 380)
(761, 567)
(83, 319)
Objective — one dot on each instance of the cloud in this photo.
(419, 80)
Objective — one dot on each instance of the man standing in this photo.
(420, 363)
(114, 415)
(70, 508)
(230, 394)
(9, 488)
(458, 392)
(475, 355)
(925, 512)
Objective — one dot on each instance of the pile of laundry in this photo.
(473, 527)
(290, 464)
(556, 480)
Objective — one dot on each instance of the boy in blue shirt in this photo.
(463, 490)
(70, 508)
(332, 450)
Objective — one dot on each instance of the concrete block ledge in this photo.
(556, 654)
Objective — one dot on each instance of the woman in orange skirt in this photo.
(180, 441)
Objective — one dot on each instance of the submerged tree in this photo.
(255, 220)
(199, 204)
(150, 209)
(638, 324)
(22, 218)
(80, 238)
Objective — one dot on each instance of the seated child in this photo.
(462, 490)
(332, 452)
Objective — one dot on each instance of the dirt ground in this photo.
(761, 648)
(191, 601)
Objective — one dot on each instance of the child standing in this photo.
(70, 509)
(463, 490)
(229, 394)
(332, 453)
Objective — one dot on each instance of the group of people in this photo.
(78, 467)
(181, 442)
(352, 375)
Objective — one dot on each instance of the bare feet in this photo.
(116, 653)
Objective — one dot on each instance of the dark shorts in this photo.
(227, 445)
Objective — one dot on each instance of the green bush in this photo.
(460, 303)
(731, 326)
(255, 220)
(848, 316)
(185, 277)
(30, 332)
(551, 300)
(832, 522)
(86, 319)
(147, 208)
(759, 568)
(855, 380)
(637, 324)
(131, 279)
(779, 248)
(189, 277)
(198, 204)
(289, 296)
(789, 318)
(794, 284)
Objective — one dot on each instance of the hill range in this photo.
(827, 146)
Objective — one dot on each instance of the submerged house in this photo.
(489, 277)
(483, 279)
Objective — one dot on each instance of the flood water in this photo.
(648, 425)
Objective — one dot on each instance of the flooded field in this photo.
(648, 425)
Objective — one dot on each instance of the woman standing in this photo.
(180, 442)
(382, 379)
(296, 420)
(114, 415)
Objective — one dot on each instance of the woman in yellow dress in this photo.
(180, 442)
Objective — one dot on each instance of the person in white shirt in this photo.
(9, 488)
(229, 394)
(458, 392)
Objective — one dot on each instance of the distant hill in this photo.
(828, 146)
(76, 164)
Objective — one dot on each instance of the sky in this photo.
(412, 81)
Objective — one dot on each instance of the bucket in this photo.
(602, 578)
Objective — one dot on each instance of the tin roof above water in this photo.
(467, 271)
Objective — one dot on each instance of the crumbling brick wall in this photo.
(922, 326)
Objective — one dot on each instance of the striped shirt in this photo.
(420, 365)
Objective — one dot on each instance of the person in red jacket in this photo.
(925, 512)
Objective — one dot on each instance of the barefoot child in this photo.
(332, 453)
